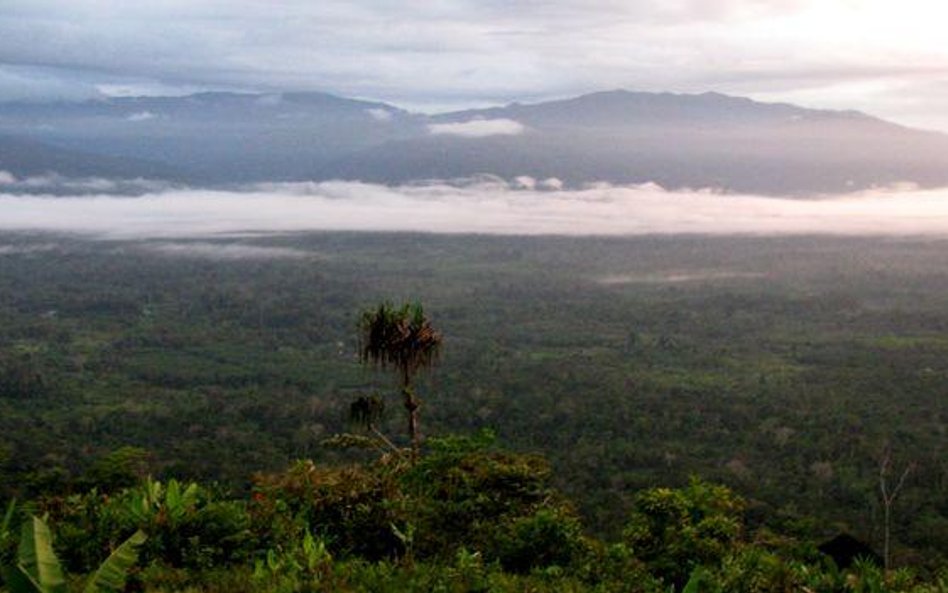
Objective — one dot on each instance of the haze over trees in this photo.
(670, 342)
(773, 366)
(462, 515)
(649, 414)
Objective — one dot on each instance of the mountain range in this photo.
(707, 140)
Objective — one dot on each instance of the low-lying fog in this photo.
(521, 207)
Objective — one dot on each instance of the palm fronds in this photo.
(399, 337)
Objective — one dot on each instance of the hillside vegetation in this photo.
(659, 405)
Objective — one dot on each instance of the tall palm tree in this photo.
(401, 339)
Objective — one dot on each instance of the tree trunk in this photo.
(887, 499)
(411, 407)
(885, 538)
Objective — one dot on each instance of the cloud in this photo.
(677, 277)
(41, 83)
(527, 182)
(552, 183)
(60, 185)
(21, 249)
(270, 100)
(491, 207)
(464, 54)
(379, 114)
(141, 116)
(125, 85)
(478, 128)
(227, 251)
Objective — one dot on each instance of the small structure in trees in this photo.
(845, 549)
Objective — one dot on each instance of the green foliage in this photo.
(626, 362)
(463, 494)
(615, 358)
(459, 496)
(21, 374)
(402, 338)
(676, 530)
(302, 567)
(154, 503)
(122, 468)
(547, 538)
(398, 337)
(695, 582)
(352, 508)
(111, 575)
(366, 411)
(186, 526)
(38, 570)
(466, 517)
(6, 531)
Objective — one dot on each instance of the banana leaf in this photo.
(110, 578)
(17, 581)
(37, 559)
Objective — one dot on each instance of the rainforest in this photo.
(654, 413)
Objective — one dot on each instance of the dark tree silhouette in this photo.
(402, 339)
(366, 412)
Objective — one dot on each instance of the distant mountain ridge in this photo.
(608, 107)
(213, 137)
(26, 158)
(675, 140)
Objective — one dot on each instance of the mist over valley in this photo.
(486, 205)
(474, 296)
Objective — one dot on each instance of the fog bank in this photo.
(491, 207)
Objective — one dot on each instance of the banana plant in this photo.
(6, 529)
(111, 574)
(37, 570)
(695, 581)
(155, 502)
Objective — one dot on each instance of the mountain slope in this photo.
(697, 141)
(217, 137)
(25, 157)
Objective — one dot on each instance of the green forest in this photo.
(666, 413)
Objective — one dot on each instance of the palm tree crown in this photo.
(400, 338)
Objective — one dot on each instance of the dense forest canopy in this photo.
(783, 369)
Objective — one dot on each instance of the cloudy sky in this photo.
(885, 57)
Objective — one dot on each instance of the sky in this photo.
(885, 57)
